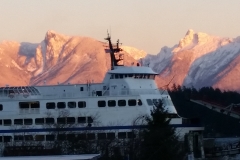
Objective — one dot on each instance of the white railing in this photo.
(122, 92)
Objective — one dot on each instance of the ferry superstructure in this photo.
(126, 94)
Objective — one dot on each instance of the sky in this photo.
(146, 25)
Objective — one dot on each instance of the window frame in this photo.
(42, 120)
(61, 105)
(121, 102)
(73, 102)
(111, 103)
(82, 104)
(101, 103)
(131, 102)
(50, 105)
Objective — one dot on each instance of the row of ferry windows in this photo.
(52, 105)
(138, 76)
(120, 103)
(61, 105)
(81, 104)
(101, 103)
(63, 137)
(41, 121)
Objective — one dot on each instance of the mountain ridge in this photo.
(198, 60)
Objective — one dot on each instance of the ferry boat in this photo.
(111, 108)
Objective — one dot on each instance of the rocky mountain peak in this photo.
(191, 39)
(51, 36)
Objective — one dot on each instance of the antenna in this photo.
(168, 84)
(110, 31)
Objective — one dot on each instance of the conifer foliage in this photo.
(159, 139)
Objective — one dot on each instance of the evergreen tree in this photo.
(159, 139)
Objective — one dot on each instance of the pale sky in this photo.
(147, 25)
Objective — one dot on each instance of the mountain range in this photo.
(198, 60)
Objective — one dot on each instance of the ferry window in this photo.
(137, 76)
(131, 135)
(18, 121)
(91, 136)
(39, 138)
(7, 138)
(28, 137)
(50, 137)
(71, 104)
(111, 103)
(81, 136)
(116, 76)
(23, 105)
(99, 93)
(148, 76)
(35, 105)
(61, 137)
(70, 120)
(81, 119)
(139, 102)
(132, 102)
(110, 135)
(101, 135)
(81, 88)
(121, 103)
(81, 104)
(61, 105)
(18, 138)
(120, 76)
(130, 75)
(28, 121)
(49, 120)
(61, 121)
(152, 76)
(1, 107)
(121, 135)
(0, 122)
(39, 121)
(101, 103)
(112, 76)
(89, 120)
(50, 105)
(149, 102)
(7, 122)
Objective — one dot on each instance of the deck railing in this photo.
(122, 92)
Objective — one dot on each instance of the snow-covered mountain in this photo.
(57, 59)
(197, 60)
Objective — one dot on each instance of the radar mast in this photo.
(113, 50)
